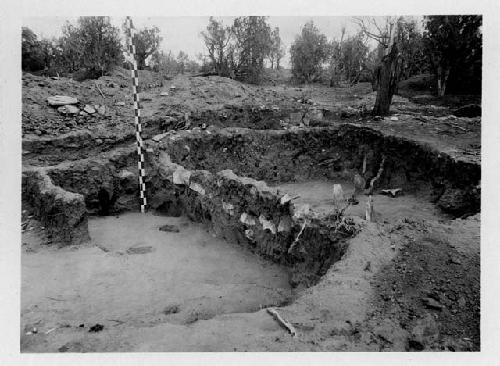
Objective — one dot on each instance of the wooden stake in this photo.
(100, 91)
(369, 209)
(283, 322)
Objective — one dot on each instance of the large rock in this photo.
(60, 100)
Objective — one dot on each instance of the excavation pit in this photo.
(248, 204)
(131, 274)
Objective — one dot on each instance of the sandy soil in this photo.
(318, 195)
(132, 275)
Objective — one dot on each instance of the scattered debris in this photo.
(140, 250)
(96, 328)
(169, 228)
(392, 192)
(63, 348)
(171, 309)
(368, 266)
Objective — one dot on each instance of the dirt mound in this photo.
(432, 290)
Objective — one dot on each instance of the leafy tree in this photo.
(277, 50)
(308, 52)
(216, 39)
(146, 41)
(411, 47)
(70, 48)
(252, 45)
(454, 47)
(182, 62)
(100, 44)
(32, 58)
(348, 58)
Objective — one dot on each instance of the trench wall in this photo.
(107, 182)
(315, 153)
(63, 213)
(251, 214)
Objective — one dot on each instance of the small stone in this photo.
(394, 119)
(84, 114)
(164, 94)
(169, 228)
(89, 109)
(432, 304)
(171, 309)
(101, 110)
(61, 100)
(38, 132)
(120, 104)
(98, 141)
(68, 109)
(96, 328)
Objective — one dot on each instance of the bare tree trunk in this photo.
(387, 79)
(442, 79)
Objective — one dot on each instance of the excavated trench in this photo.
(219, 190)
(251, 186)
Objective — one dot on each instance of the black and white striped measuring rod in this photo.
(137, 111)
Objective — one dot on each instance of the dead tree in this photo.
(386, 74)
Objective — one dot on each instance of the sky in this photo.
(183, 33)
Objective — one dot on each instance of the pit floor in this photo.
(132, 276)
(318, 194)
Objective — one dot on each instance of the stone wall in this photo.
(330, 153)
(248, 212)
(108, 182)
(62, 213)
